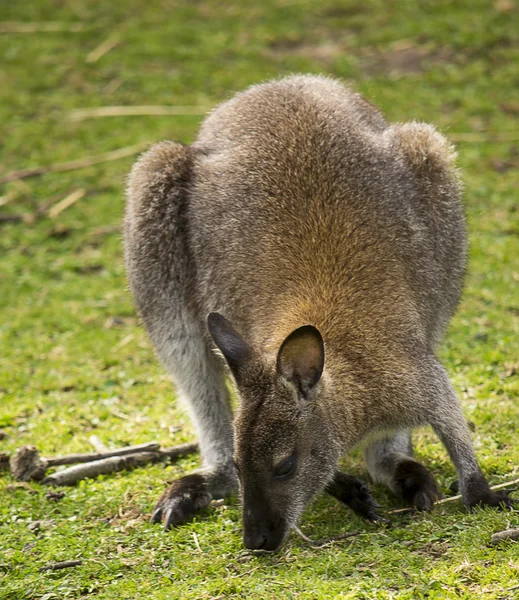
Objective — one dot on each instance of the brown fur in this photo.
(299, 205)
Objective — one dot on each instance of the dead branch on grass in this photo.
(507, 534)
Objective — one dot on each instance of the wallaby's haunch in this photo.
(334, 244)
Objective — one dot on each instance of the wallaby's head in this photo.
(284, 447)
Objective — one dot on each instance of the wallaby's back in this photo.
(307, 206)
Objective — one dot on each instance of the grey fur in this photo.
(298, 204)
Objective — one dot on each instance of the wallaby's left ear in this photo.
(235, 349)
(301, 358)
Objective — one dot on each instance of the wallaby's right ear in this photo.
(301, 358)
(235, 349)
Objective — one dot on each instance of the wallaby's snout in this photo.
(263, 529)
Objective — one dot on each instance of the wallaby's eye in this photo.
(285, 468)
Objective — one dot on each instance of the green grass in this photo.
(65, 309)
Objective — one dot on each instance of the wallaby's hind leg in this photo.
(390, 461)
(161, 276)
(447, 419)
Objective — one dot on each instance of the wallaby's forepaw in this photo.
(354, 493)
(416, 485)
(479, 494)
(182, 500)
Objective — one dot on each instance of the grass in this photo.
(75, 361)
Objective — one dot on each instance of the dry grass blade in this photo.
(73, 165)
(49, 26)
(103, 49)
(69, 200)
(197, 543)
(137, 111)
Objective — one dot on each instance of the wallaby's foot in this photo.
(354, 493)
(478, 493)
(415, 485)
(184, 498)
(191, 494)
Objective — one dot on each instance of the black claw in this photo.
(354, 493)
(183, 499)
(156, 517)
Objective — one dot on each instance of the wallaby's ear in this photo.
(301, 358)
(235, 349)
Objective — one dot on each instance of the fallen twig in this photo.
(49, 26)
(105, 466)
(69, 200)
(500, 486)
(119, 462)
(507, 534)
(103, 48)
(26, 464)
(74, 459)
(66, 564)
(180, 450)
(72, 165)
(137, 111)
(318, 543)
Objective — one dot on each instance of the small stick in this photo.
(500, 486)
(507, 534)
(105, 466)
(137, 111)
(103, 49)
(318, 543)
(120, 462)
(97, 444)
(180, 450)
(66, 564)
(69, 200)
(49, 26)
(72, 165)
(73, 459)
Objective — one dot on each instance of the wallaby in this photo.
(321, 252)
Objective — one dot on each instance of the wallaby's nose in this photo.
(255, 540)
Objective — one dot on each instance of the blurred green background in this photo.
(74, 360)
